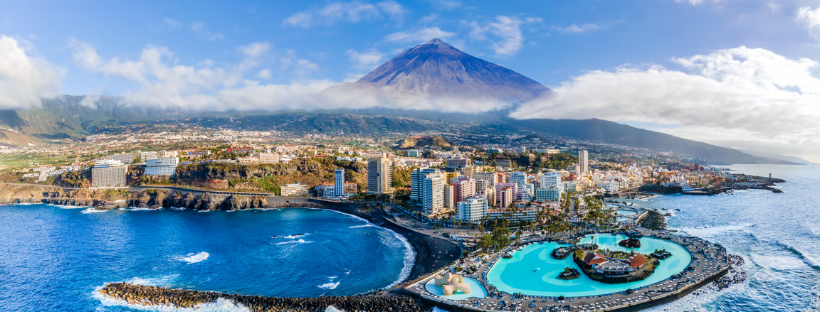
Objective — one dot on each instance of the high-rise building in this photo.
(520, 178)
(417, 181)
(463, 187)
(552, 180)
(145, 156)
(379, 176)
(449, 196)
(510, 190)
(433, 194)
(163, 166)
(472, 209)
(339, 186)
(583, 162)
(108, 173)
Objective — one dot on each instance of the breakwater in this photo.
(158, 296)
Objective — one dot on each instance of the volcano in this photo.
(438, 70)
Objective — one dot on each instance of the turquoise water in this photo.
(476, 290)
(532, 271)
(626, 212)
(53, 259)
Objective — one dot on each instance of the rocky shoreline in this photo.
(152, 296)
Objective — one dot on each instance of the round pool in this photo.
(532, 271)
(476, 290)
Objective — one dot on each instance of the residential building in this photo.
(490, 177)
(268, 158)
(463, 187)
(583, 162)
(294, 189)
(145, 156)
(552, 180)
(505, 194)
(458, 162)
(413, 153)
(379, 176)
(417, 180)
(550, 194)
(472, 209)
(164, 166)
(449, 196)
(523, 214)
(165, 154)
(433, 194)
(108, 173)
(339, 179)
(123, 158)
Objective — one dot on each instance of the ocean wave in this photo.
(333, 309)
(152, 281)
(68, 206)
(715, 230)
(362, 226)
(299, 241)
(194, 258)
(295, 236)
(92, 210)
(221, 305)
(330, 285)
(409, 259)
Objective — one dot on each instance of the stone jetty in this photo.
(158, 296)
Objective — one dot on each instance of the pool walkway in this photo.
(709, 261)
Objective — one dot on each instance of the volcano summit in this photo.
(437, 70)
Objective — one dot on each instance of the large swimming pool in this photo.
(532, 271)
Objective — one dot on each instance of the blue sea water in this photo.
(53, 258)
(777, 234)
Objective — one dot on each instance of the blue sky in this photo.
(184, 52)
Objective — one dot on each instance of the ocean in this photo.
(54, 258)
(777, 234)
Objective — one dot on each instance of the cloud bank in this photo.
(352, 12)
(750, 90)
(24, 79)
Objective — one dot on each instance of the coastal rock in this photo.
(630, 243)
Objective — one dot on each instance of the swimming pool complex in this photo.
(532, 271)
(476, 290)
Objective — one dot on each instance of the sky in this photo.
(737, 73)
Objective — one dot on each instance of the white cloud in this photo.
(24, 80)
(506, 37)
(353, 12)
(692, 2)
(449, 4)
(365, 60)
(811, 18)
(576, 29)
(202, 30)
(419, 36)
(748, 90)
(165, 83)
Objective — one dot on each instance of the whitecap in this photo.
(92, 210)
(300, 241)
(777, 262)
(714, 231)
(332, 277)
(409, 259)
(68, 206)
(333, 309)
(362, 226)
(152, 281)
(221, 305)
(194, 258)
(330, 285)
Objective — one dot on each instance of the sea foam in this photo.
(194, 258)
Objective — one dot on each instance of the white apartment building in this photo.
(417, 181)
(164, 166)
(433, 194)
(526, 214)
(552, 180)
(472, 209)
